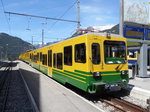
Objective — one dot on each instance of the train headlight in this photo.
(96, 74)
(124, 72)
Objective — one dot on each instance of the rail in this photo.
(124, 106)
(13, 94)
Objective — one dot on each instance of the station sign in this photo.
(133, 32)
(147, 36)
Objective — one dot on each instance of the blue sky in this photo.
(93, 13)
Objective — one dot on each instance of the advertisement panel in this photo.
(136, 11)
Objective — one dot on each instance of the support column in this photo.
(143, 61)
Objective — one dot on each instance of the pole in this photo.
(32, 40)
(78, 15)
(121, 25)
(42, 37)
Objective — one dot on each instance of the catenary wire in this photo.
(6, 16)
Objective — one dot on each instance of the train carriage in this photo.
(93, 62)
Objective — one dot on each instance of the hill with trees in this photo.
(11, 47)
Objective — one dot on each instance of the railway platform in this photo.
(51, 96)
(139, 87)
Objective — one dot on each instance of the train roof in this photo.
(88, 33)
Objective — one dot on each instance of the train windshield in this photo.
(115, 52)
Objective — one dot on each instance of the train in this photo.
(133, 57)
(92, 62)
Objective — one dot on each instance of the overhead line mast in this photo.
(78, 17)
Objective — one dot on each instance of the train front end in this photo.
(109, 65)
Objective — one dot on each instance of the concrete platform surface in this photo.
(140, 87)
(50, 96)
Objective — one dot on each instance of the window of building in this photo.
(68, 55)
(54, 60)
(59, 60)
(50, 58)
(44, 62)
(80, 53)
(95, 53)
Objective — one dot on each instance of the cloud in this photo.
(89, 9)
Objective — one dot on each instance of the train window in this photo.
(115, 52)
(44, 62)
(59, 60)
(37, 56)
(95, 53)
(30, 56)
(80, 53)
(50, 58)
(132, 54)
(41, 56)
(68, 55)
(54, 60)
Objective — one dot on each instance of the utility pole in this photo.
(78, 15)
(42, 37)
(121, 25)
(32, 40)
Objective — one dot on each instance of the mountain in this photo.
(102, 27)
(12, 47)
(114, 29)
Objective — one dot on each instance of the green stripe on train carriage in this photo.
(35, 65)
(43, 69)
(77, 74)
(71, 79)
(88, 73)
(72, 75)
(107, 76)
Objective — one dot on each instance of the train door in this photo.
(95, 55)
(50, 62)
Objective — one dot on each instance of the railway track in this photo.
(13, 94)
(112, 101)
(123, 106)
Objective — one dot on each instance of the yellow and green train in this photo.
(93, 62)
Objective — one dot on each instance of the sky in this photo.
(92, 13)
